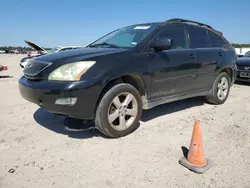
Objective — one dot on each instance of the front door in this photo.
(173, 70)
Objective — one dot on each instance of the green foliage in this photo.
(235, 45)
(19, 48)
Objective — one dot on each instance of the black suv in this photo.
(130, 69)
(243, 66)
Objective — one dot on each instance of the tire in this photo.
(213, 97)
(109, 107)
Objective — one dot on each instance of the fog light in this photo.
(66, 101)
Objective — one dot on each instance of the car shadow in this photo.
(56, 123)
(170, 108)
(6, 76)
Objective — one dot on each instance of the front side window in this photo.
(177, 34)
(126, 37)
(215, 40)
(199, 37)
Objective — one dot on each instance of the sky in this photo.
(51, 23)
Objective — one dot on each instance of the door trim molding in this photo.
(147, 104)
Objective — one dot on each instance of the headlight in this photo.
(72, 71)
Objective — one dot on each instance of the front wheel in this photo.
(119, 111)
(220, 90)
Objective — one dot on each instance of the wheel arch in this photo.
(227, 70)
(131, 78)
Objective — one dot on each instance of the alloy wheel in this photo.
(122, 111)
(222, 88)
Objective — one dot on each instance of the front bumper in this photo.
(238, 78)
(45, 93)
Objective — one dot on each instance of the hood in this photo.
(49, 62)
(35, 46)
(78, 54)
(243, 61)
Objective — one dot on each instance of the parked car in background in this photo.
(30, 55)
(3, 68)
(243, 66)
(41, 51)
(2, 52)
(13, 51)
(63, 48)
(130, 69)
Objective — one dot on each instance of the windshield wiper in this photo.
(105, 44)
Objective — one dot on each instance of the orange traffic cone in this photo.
(196, 160)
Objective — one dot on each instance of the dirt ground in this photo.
(36, 151)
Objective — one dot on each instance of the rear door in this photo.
(207, 56)
(173, 70)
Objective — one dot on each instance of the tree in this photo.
(19, 48)
(235, 45)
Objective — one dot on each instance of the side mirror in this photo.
(162, 44)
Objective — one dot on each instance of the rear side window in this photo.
(177, 34)
(199, 37)
(215, 40)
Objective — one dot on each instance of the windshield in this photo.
(247, 54)
(126, 37)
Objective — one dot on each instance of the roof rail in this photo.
(198, 23)
(190, 21)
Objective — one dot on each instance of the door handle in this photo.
(192, 56)
(220, 54)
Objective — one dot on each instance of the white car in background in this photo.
(2, 52)
(64, 48)
(41, 51)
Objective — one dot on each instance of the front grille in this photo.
(33, 68)
(244, 67)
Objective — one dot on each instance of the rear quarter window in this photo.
(215, 40)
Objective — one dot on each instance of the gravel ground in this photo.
(36, 151)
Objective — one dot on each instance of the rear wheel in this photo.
(220, 90)
(119, 111)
